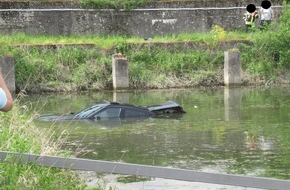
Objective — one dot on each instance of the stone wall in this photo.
(145, 22)
(155, 4)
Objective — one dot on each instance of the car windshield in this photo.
(84, 113)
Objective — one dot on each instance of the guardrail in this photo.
(143, 170)
(139, 9)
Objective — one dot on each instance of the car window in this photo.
(84, 113)
(127, 112)
(110, 112)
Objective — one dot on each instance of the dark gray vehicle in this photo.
(109, 110)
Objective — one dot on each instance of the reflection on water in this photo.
(241, 131)
(232, 103)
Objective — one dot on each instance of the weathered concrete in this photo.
(120, 72)
(146, 22)
(8, 73)
(232, 68)
(156, 4)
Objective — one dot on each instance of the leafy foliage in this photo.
(269, 54)
(218, 32)
(112, 4)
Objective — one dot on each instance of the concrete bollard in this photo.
(8, 73)
(120, 72)
(232, 68)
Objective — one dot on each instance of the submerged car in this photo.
(109, 110)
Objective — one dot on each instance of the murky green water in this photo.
(236, 131)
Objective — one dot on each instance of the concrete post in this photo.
(120, 72)
(232, 68)
(8, 73)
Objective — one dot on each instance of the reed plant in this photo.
(19, 134)
(80, 68)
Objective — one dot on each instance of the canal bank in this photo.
(80, 63)
(60, 68)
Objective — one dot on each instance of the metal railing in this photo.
(143, 170)
(139, 9)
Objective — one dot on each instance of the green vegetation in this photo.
(60, 63)
(68, 63)
(112, 4)
(84, 62)
(269, 56)
(19, 134)
(115, 4)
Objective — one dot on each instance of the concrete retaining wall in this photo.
(138, 22)
(156, 4)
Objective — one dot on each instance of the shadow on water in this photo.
(242, 130)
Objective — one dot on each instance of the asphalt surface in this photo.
(110, 183)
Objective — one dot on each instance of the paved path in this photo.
(110, 182)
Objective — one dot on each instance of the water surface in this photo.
(235, 131)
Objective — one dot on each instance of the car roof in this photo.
(122, 104)
(101, 105)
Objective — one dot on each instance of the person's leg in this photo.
(252, 27)
(262, 24)
(265, 24)
(247, 28)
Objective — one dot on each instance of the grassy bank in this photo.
(70, 63)
(19, 134)
(81, 68)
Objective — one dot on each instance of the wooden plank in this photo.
(144, 170)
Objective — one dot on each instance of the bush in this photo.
(269, 54)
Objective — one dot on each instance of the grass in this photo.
(19, 134)
(23, 39)
(82, 68)
(76, 1)
(103, 0)
(110, 41)
(84, 62)
(111, 4)
(68, 68)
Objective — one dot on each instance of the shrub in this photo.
(269, 54)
